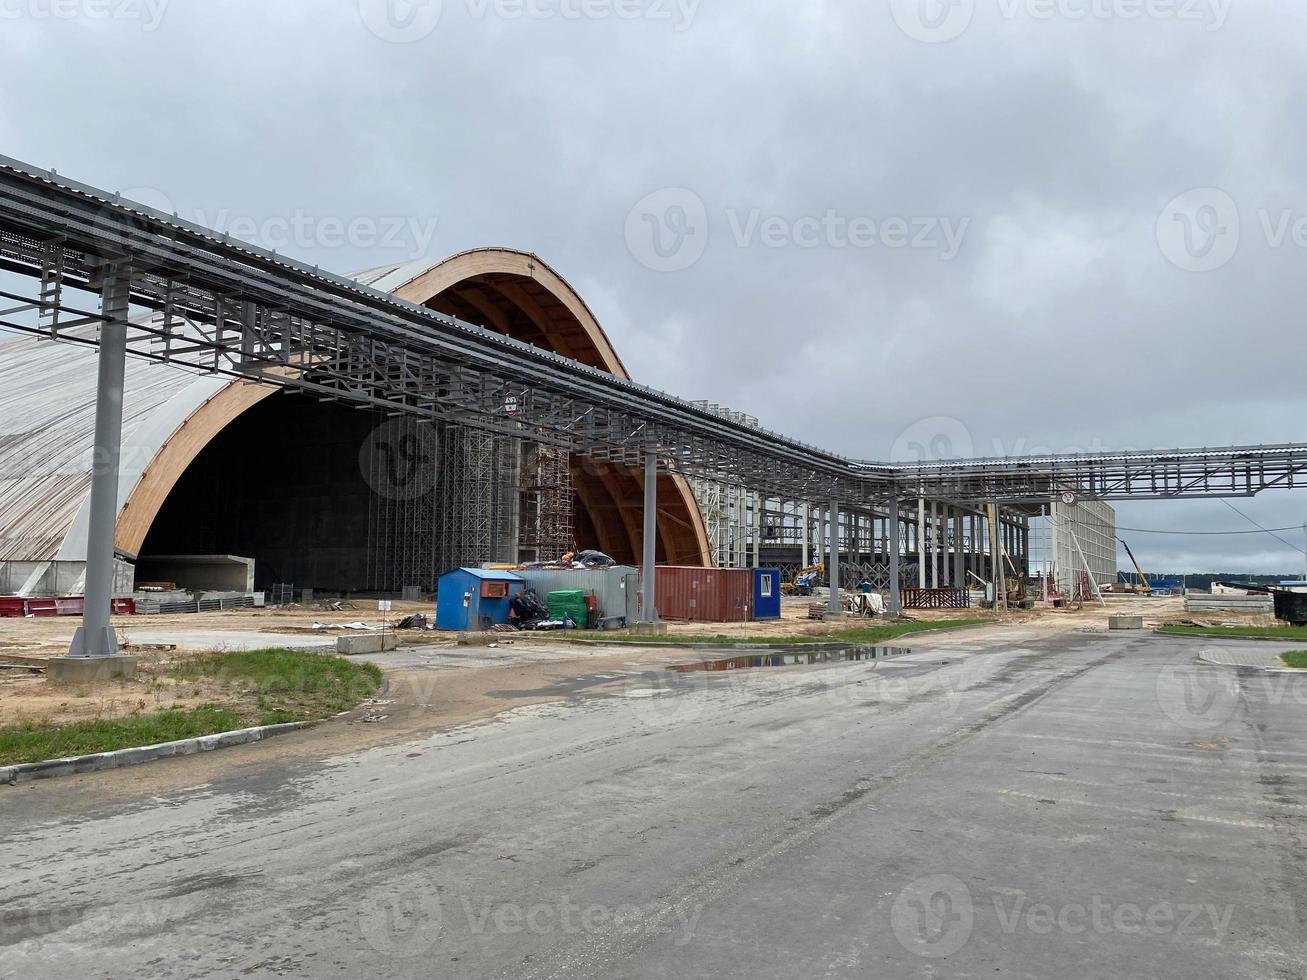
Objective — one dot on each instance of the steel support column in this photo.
(959, 554)
(836, 604)
(895, 546)
(649, 570)
(921, 542)
(95, 637)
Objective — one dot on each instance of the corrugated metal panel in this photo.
(705, 595)
(613, 588)
(47, 431)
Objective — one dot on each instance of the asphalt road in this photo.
(999, 804)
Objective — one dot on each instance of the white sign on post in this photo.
(383, 605)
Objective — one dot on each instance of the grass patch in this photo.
(264, 687)
(865, 634)
(1269, 632)
(1297, 658)
(33, 741)
(287, 685)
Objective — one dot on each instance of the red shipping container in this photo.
(705, 595)
(73, 605)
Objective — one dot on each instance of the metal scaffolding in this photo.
(548, 505)
(477, 490)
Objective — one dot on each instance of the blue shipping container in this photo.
(766, 593)
(470, 600)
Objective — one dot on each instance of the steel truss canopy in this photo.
(219, 305)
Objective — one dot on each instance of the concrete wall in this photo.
(59, 578)
(1093, 525)
(196, 573)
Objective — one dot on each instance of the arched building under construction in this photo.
(322, 494)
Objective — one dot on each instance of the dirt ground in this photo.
(25, 694)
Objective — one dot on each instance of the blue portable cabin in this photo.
(766, 593)
(469, 600)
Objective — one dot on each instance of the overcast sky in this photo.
(988, 228)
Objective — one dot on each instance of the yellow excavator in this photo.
(805, 580)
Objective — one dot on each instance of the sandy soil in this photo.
(48, 636)
(27, 695)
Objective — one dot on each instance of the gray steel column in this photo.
(959, 555)
(836, 605)
(758, 509)
(649, 585)
(95, 637)
(895, 545)
(934, 545)
(921, 542)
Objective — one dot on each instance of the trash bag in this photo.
(528, 607)
(594, 559)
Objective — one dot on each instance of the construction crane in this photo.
(1146, 586)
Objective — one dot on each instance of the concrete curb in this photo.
(1270, 670)
(76, 765)
(1234, 636)
(826, 645)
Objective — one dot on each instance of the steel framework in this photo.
(86, 263)
(227, 307)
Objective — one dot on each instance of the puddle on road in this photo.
(754, 661)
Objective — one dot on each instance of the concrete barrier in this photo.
(88, 670)
(1210, 604)
(354, 646)
(1125, 623)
